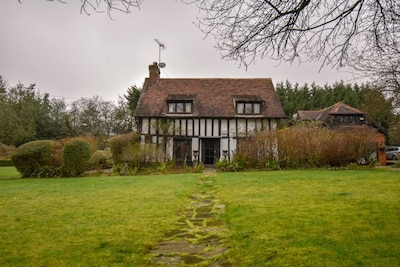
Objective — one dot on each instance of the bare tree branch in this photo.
(324, 30)
(124, 6)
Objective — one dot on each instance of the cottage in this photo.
(344, 117)
(202, 120)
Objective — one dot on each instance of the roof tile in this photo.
(212, 97)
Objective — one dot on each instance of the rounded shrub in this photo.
(101, 159)
(76, 155)
(124, 147)
(40, 158)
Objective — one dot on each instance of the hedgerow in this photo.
(101, 159)
(130, 156)
(6, 151)
(302, 147)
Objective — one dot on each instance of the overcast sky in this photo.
(72, 55)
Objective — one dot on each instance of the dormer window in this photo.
(248, 108)
(180, 107)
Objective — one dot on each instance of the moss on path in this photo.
(197, 239)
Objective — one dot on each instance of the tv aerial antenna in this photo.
(161, 46)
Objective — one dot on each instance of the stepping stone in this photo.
(204, 215)
(177, 246)
(200, 225)
(169, 260)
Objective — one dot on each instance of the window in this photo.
(180, 107)
(240, 108)
(188, 107)
(248, 108)
(182, 151)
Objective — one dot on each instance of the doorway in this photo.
(210, 151)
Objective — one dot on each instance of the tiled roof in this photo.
(342, 108)
(339, 108)
(308, 114)
(322, 114)
(211, 98)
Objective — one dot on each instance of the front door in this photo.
(210, 151)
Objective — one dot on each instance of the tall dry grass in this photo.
(306, 147)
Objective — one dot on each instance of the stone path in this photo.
(197, 239)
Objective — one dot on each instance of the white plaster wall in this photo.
(202, 127)
(177, 126)
(241, 127)
(145, 126)
(251, 127)
(170, 148)
(153, 126)
(232, 128)
(233, 144)
(196, 127)
(189, 129)
(224, 128)
(216, 128)
(195, 146)
(258, 126)
(274, 124)
(209, 128)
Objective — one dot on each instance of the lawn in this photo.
(283, 218)
(313, 218)
(101, 221)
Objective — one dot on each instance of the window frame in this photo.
(180, 107)
(248, 107)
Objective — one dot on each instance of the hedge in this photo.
(76, 155)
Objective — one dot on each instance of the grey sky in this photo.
(73, 55)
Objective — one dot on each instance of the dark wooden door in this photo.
(210, 151)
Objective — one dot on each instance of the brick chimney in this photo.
(154, 73)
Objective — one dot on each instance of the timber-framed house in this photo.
(202, 120)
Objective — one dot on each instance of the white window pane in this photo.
(188, 107)
(249, 108)
(171, 108)
(179, 107)
(240, 108)
(257, 108)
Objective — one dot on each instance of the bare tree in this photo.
(383, 69)
(364, 34)
(87, 6)
(324, 30)
(111, 5)
(330, 31)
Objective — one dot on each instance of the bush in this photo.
(6, 151)
(93, 143)
(127, 151)
(76, 155)
(40, 158)
(101, 159)
(123, 147)
(303, 147)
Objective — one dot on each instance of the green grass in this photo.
(283, 218)
(102, 221)
(8, 173)
(313, 218)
